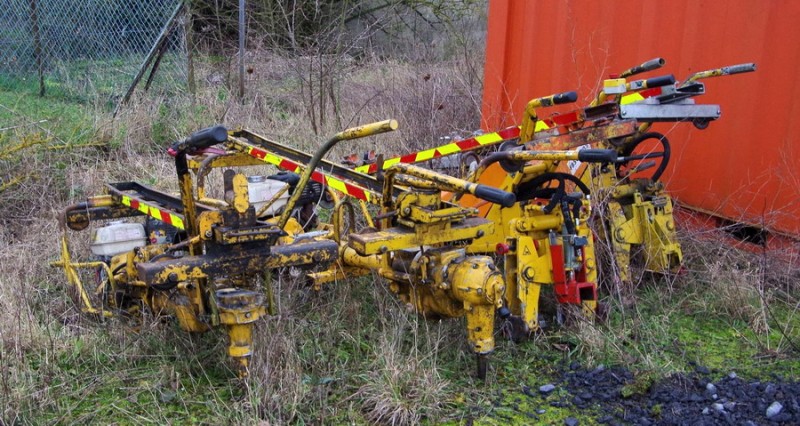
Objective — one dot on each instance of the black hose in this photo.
(532, 188)
(631, 146)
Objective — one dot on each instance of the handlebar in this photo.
(738, 69)
(597, 155)
(348, 134)
(664, 80)
(555, 99)
(650, 65)
(448, 183)
(729, 70)
(366, 130)
(495, 195)
(561, 98)
(594, 155)
(201, 139)
(528, 126)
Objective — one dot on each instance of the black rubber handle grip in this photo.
(200, 139)
(494, 195)
(737, 69)
(565, 98)
(650, 65)
(207, 137)
(597, 155)
(664, 80)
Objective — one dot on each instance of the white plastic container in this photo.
(117, 237)
(260, 190)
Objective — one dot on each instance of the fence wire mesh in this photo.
(88, 47)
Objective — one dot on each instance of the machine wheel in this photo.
(553, 186)
(510, 166)
(642, 151)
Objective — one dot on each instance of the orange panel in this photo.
(746, 165)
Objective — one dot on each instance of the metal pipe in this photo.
(352, 133)
(242, 4)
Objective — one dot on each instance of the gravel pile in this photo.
(679, 400)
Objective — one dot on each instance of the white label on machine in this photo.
(573, 165)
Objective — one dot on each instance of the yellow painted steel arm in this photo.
(447, 183)
(650, 65)
(588, 155)
(729, 70)
(352, 133)
(530, 116)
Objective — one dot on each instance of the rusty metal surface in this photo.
(745, 165)
(237, 261)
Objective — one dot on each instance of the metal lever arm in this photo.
(729, 70)
(650, 65)
(447, 183)
(351, 133)
(530, 117)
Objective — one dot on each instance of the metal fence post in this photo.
(241, 48)
(37, 45)
(188, 34)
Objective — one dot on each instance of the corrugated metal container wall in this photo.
(746, 165)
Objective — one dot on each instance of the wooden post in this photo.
(37, 45)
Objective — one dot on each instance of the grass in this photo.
(63, 120)
(352, 353)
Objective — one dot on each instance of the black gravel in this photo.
(683, 399)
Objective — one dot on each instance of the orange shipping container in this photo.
(745, 166)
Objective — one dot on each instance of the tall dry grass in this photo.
(349, 353)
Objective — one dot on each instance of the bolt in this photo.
(407, 211)
(475, 266)
(208, 234)
(248, 314)
(173, 277)
(384, 249)
(528, 273)
(480, 233)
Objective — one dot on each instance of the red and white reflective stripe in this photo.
(471, 143)
(448, 149)
(346, 188)
(163, 215)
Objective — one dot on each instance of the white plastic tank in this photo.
(117, 237)
(260, 190)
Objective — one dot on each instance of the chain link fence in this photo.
(90, 48)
